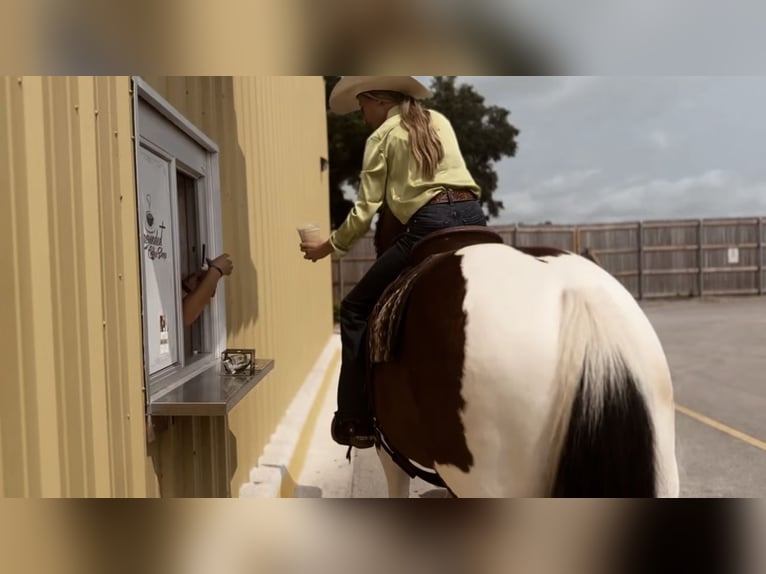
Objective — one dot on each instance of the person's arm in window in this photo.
(201, 287)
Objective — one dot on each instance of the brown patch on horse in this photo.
(417, 394)
(385, 320)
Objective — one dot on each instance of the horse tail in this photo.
(603, 433)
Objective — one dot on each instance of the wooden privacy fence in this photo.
(653, 259)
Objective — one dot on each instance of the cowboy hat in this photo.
(343, 96)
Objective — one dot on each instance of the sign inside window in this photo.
(158, 259)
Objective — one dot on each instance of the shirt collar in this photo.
(395, 111)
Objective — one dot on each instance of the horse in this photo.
(516, 372)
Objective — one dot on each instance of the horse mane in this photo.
(590, 254)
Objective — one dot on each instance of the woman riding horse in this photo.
(517, 371)
(413, 166)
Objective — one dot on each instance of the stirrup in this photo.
(343, 433)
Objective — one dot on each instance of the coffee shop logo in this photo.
(153, 233)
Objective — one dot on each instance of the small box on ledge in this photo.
(238, 363)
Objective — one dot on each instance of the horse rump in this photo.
(606, 443)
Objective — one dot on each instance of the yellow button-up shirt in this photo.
(390, 173)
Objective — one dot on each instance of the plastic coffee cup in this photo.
(309, 233)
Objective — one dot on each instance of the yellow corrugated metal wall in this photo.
(271, 132)
(71, 403)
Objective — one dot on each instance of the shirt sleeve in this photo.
(370, 197)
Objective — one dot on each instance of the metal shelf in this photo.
(209, 394)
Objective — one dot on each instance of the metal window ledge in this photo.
(209, 394)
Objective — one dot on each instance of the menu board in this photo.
(158, 260)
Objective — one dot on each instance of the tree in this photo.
(346, 138)
(484, 133)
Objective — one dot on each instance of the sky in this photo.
(610, 148)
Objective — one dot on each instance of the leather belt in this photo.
(453, 195)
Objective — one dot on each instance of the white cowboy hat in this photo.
(343, 96)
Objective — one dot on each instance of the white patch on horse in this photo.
(514, 307)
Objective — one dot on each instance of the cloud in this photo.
(536, 92)
(601, 148)
(565, 89)
(659, 138)
(571, 179)
(684, 197)
(574, 198)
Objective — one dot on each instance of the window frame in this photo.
(208, 196)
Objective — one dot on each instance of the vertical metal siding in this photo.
(24, 337)
(271, 132)
(71, 404)
(71, 409)
(132, 472)
(287, 136)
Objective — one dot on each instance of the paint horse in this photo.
(517, 372)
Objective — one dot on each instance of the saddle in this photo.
(385, 321)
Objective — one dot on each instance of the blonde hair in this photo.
(426, 146)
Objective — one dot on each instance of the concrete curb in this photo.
(282, 460)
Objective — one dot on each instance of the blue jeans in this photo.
(357, 306)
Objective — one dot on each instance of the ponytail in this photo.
(426, 146)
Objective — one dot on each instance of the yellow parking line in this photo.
(295, 466)
(752, 441)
